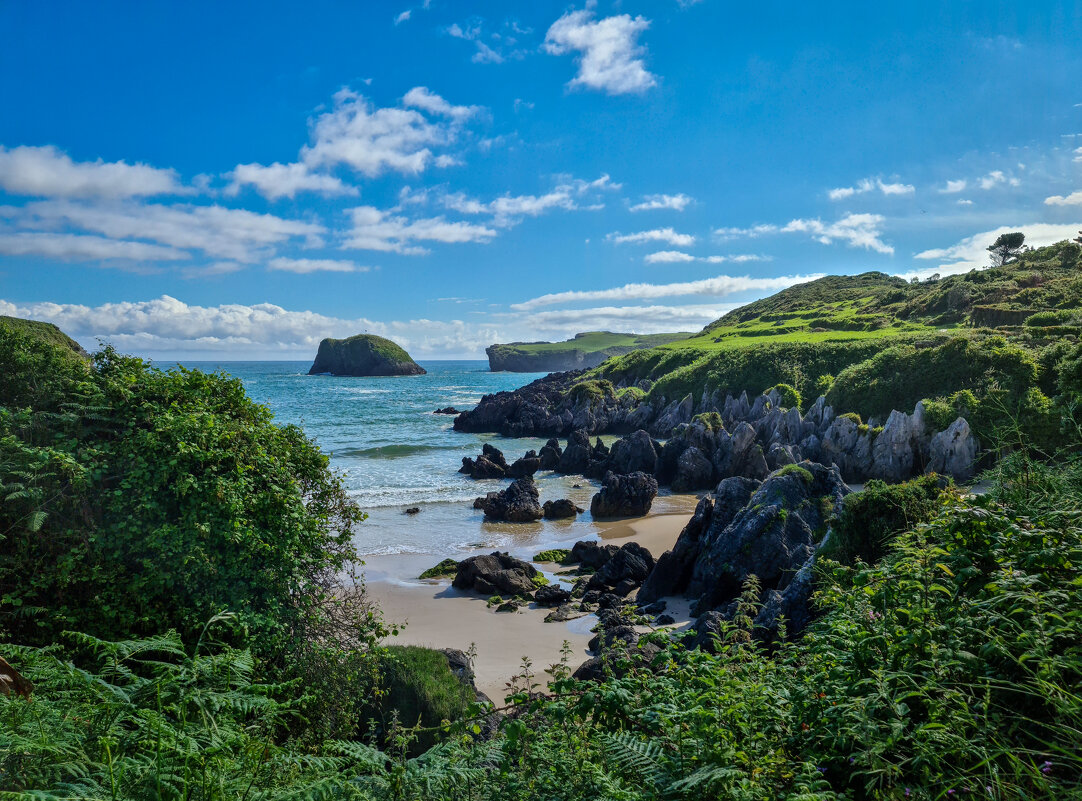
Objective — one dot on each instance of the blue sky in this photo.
(204, 180)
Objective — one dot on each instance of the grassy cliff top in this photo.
(595, 341)
(46, 332)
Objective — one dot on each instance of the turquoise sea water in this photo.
(394, 453)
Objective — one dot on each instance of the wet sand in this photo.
(438, 616)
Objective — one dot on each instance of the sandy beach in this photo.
(438, 616)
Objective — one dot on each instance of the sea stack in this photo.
(364, 354)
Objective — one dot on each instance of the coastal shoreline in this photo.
(437, 615)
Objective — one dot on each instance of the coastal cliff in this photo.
(363, 355)
(586, 350)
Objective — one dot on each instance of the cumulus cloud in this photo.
(236, 234)
(668, 257)
(855, 230)
(720, 286)
(610, 58)
(304, 266)
(867, 185)
(403, 17)
(374, 229)
(972, 252)
(995, 178)
(422, 98)
(954, 187)
(1073, 199)
(170, 326)
(655, 235)
(49, 172)
(73, 247)
(677, 202)
(284, 180)
(1078, 154)
(507, 210)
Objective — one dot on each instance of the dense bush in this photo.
(872, 518)
(790, 398)
(138, 500)
(901, 375)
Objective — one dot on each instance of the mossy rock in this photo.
(448, 567)
(363, 355)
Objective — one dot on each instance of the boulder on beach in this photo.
(628, 495)
(496, 574)
(490, 464)
(363, 355)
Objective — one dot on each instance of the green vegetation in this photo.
(592, 391)
(944, 661)
(585, 350)
(417, 688)
(796, 470)
(711, 420)
(874, 343)
(557, 556)
(871, 519)
(790, 398)
(448, 567)
(539, 580)
(381, 346)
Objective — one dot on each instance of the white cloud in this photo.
(374, 229)
(867, 185)
(236, 234)
(211, 270)
(171, 327)
(656, 235)
(856, 230)
(677, 202)
(964, 202)
(499, 46)
(284, 180)
(565, 323)
(403, 17)
(305, 266)
(954, 187)
(1078, 154)
(995, 178)
(677, 256)
(372, 140)
(610, 57)
(720, 286)
(49, 172)
(426, 100)
(507, 210)
(73, 247)
(668, 257)
(972, 252)
(1073, 199)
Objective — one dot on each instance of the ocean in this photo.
(394, 453)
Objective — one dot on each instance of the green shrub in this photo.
(823, 384)
(853, 416)
(1047, 318)
(872, 518)
(711, 420)
(795, 469)
(592, 391)
(790, 398)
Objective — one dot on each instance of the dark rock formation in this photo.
(552, 595)
(447, 410)
(624, 572)
(526, 466)
(516, 504)
(592, 554)
(363, 355)
(576, 456)
(490, 464)
(561, 509)
(413, 510)
(495, 574)
(550, 455)
(624, 495)
(636, 452)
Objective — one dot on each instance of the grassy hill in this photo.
(585, 350)
(46, 332)
(810, 334)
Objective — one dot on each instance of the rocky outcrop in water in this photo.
(490, 464)
(516, 504)
(363, 355)
(561, 509)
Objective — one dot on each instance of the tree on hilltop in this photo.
(1007, 248)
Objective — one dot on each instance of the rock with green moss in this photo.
(363, 355)
(445, 569)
